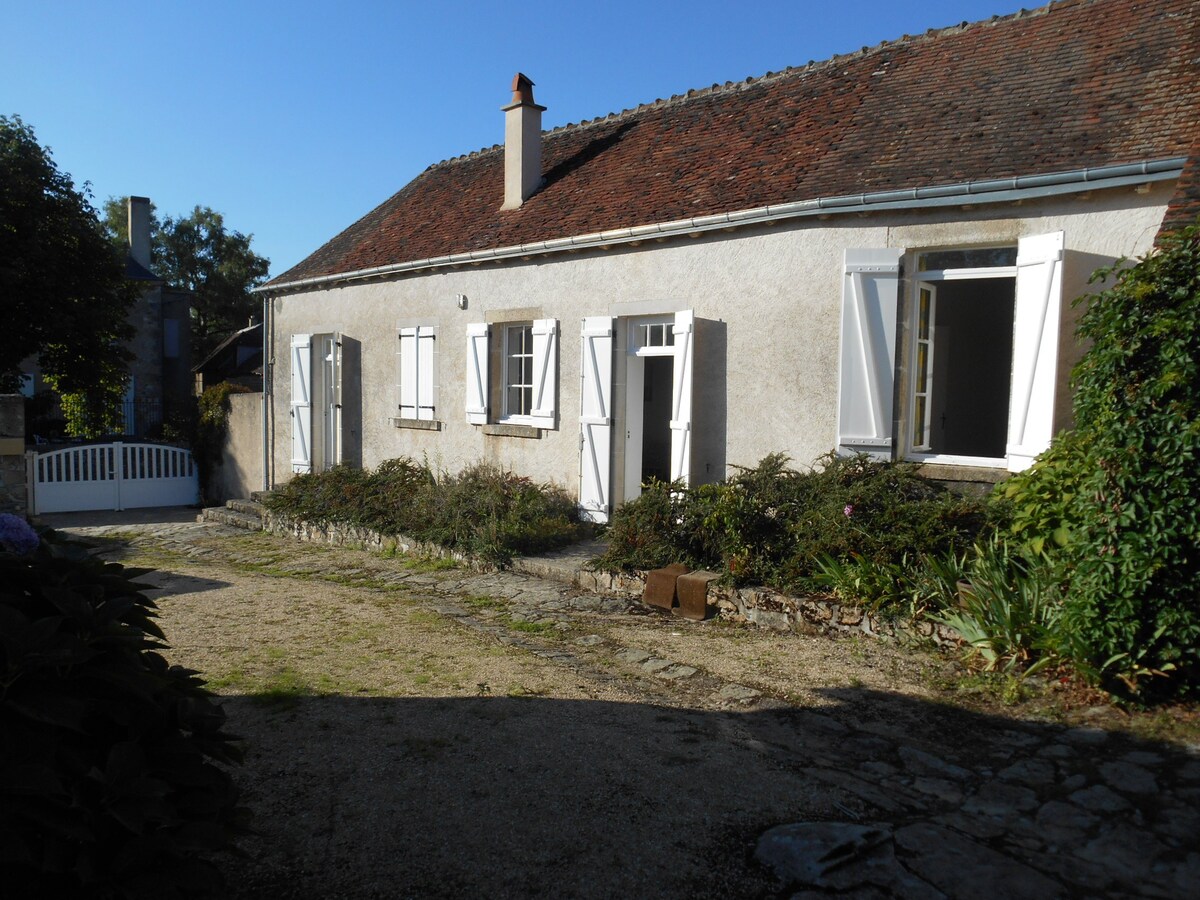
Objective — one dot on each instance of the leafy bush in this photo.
(108, 785)
(1134, 553)
(775, 526)
(483, 510)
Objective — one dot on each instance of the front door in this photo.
(655, 442)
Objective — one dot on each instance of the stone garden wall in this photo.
(758, 606)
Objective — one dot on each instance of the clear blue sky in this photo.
(296, 118)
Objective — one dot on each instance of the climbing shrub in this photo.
(483, 510)
(109, 777)
(1133, 608)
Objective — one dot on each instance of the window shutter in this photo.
(1036, 325)
(595, 419)
(335, 411)
(870, 290)
(477, 373)
(545, 371)
(681, 396)
(426, 345)
(408, 373)
(301, 403)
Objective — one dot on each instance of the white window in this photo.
(980, 357)
(519, 362)
(518, 371)
(417, 372)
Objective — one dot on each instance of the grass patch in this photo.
(480, 602)
(531, 627)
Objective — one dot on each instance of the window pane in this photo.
(919, 422)
(978, 258)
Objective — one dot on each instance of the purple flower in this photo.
(848, 511)
(16, 536)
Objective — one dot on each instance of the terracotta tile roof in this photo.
(1077, 84)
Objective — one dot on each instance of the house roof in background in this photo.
(1078, 84)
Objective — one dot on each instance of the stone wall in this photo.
(758, 606)
(12, 454)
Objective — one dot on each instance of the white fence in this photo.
(111, 476)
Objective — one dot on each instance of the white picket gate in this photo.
(111, 476)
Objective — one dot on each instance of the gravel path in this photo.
(419, 732)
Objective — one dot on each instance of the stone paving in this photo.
(1018, 809)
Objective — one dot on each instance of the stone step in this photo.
(249, 507)
(225, 516)
(260, 496)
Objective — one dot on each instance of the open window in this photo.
(977, 346)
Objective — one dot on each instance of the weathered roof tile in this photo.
(1078, 84)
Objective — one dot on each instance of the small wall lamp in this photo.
(461, 300)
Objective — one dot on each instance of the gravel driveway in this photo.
(418, 732)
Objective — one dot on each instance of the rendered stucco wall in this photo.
(240, 472)
(768, 305)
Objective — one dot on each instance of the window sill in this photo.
(991, 472)
(417, 424)
(522, 431)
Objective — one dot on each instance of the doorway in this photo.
(650, 382)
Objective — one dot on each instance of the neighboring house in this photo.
(237, 359)
(160, 369)
(874, 253)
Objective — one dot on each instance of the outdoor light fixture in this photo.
(461, 300)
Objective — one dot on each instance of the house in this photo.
(237, 359)
(876, 253)
(160, 365)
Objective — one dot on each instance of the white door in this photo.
(1036, 325)
(870, 291)
(595, 418)
(331, 400)
(301, 403)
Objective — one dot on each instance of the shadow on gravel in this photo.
(523, 797)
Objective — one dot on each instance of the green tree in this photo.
(66, 299)
(200, 254)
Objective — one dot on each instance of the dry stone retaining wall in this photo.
(758, 606)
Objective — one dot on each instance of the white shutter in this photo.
(301, 403)
(477, 373)
(595, 420)
(426, 344)
(1036, 323)
(870, 289)
(409, 372)
(545, 371)
(681, 397)
(336, 438)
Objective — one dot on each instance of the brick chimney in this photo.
(139, 230)
(522, 144)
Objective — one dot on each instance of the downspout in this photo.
(267, 374)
